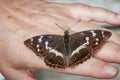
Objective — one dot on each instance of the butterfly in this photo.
(68, 50)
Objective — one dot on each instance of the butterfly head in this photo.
(66, 32)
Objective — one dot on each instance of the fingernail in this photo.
(110, 70)
(118, 16)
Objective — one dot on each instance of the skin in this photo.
(22, 19)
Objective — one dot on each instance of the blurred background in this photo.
(113, 5)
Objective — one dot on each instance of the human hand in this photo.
(21, 19)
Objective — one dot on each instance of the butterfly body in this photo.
(67, 50)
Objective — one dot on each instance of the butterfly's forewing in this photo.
(84, 43)
(48, 46)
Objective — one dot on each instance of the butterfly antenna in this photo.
(74, 24)
(60, 26)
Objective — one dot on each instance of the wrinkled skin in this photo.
(21, 19)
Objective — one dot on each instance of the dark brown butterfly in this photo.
(67, 50)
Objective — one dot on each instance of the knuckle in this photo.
(116, 50)
(116, 54)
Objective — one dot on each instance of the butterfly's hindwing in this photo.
(79, 57)
(54, 61)
(55, 57)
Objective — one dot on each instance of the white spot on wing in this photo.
(97, 39)
(40, 39)
(93, 33)
(87, 40)
(96, 43)
(103, 34)
(38, 50)
(31, 43)
(46, 45)
(82, 33)
(31, 39)
(78, 49)
(52, 50)
(37, 45)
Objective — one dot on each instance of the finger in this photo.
(89, 13)
(110, 52)
(115, 37)
(98, 68)
(92, 68)
(12, 74)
